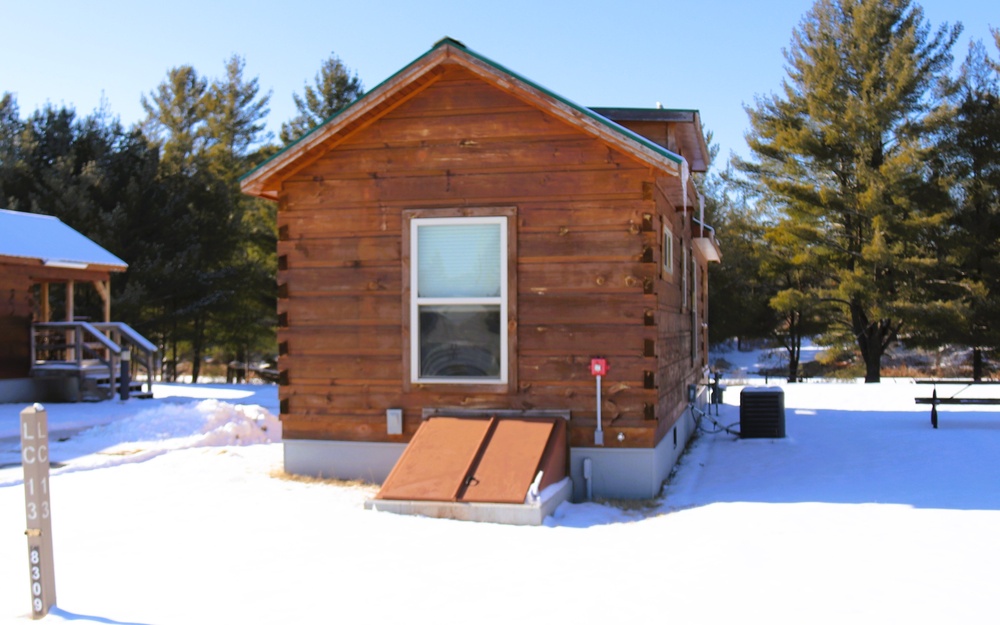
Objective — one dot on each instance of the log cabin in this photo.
(461, 248)
(47, 353)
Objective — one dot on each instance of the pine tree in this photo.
(10, 129)
(841, 151)
(216, 286)
(335, 87)
(235, 127)
(202, 233)
(235, 117)
(175, 118)
(738, 300)
(794, 274)
(969, 156)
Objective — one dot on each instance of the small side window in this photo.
(668, 251)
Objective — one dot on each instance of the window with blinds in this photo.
(458, 299)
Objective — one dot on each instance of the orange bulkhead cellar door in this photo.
(477, 459)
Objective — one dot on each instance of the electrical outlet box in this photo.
(394, 421)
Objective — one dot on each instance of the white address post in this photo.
(35, 460)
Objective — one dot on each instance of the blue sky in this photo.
(713, 56)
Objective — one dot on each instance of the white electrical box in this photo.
(394, 421)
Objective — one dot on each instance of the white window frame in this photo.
(668, 250)
(416, 302)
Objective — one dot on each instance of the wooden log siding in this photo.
(15, 293)
(675, 370)
(15, 322)
(587, 267)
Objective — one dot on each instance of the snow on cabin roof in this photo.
(49, 240)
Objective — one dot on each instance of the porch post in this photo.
(104, 290)
(73, 354)
(69, 300)
(46, 311)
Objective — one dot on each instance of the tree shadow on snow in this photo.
(849, 457)
(84, 618)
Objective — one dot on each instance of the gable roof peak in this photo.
(449, 41)
(264, 181)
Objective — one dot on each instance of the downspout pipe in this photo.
(701, 214)
(704, 227)
(685, 175)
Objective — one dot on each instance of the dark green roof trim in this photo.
(646, 115)
(454, 42)
(458, 44)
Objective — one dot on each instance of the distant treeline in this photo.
(164, 196)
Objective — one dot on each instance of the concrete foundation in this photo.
(344, 460)
(617, 473)
(43, 390)
(629, 473)
(509, 514)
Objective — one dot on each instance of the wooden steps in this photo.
(94, 354)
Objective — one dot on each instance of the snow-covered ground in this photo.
(172, 510)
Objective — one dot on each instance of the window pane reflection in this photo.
(460, 341)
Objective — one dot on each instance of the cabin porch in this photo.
(103, 359)
(44, 267)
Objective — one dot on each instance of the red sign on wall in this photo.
(598, 366)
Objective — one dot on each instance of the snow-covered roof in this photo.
(49, 240)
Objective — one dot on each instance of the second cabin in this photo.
(457, 247)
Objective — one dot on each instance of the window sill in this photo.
(497, 388)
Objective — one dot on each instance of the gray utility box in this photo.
(762, 412)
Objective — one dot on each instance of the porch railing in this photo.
(81, 348)
(142, 352)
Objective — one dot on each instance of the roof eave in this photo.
(70, 265)
(701, 138)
